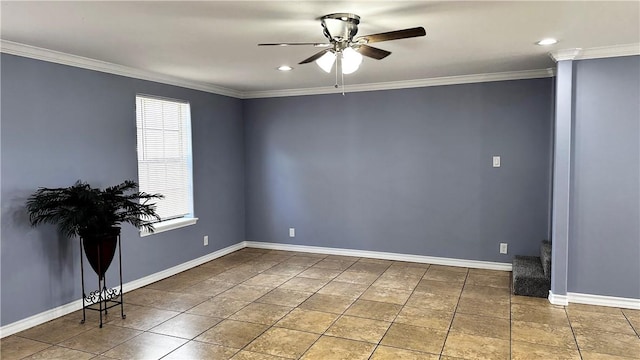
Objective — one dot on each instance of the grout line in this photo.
(455, 310)
(573, 332)
(637, 331)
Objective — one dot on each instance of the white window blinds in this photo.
(164, 154)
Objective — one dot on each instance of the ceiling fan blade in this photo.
(393, 35)
(315, 57)
(372, 52)
(295, 44)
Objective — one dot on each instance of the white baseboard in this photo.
(590, 299)
(476, 264)
(602, 300)
(65, 309)
(556, 299)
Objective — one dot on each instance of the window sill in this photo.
(169, 225)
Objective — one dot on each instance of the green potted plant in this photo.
(95, 215)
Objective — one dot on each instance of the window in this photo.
(164, 158)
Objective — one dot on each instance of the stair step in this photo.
(529, 278)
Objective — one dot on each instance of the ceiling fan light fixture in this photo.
(325, 62)
(351, 61)
(285, 68)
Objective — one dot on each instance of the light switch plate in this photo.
(496, 161)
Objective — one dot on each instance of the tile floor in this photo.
(262, 304)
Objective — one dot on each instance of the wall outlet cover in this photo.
(292, 232)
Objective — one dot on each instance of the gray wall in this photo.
(405, 171)
(60, 124)
(604, 244)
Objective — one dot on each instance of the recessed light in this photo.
(285, 68)
(548, 41)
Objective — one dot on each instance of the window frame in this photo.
(189, 218)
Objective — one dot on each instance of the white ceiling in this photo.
(214, 42)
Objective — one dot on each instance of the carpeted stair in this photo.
(532, 274)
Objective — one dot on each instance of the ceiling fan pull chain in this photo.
(336, 85)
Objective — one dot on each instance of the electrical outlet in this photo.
(206, 240)
(292, 232)
(503, 248)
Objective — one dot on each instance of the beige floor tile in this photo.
(304, 284)
(594, 308)
(186, 326)
(14, 347)
(475, 347)
(614, 322)
(178, 301)
(146, 346)
(430, 318)
(408, 272)
(452, 276)
(245, 292)
(414, 338)
(236, 275)
(345, 289)
(328, 347)
(57, 352)
(266, 280)
(386, 295)
(284, 297)
(141, 317)
(527, 351)
(633, 316)
(208, 288)
(285, 270)
(266, 314)
(302, 260)
(360, 329)
(543, 334)
(307, 320)
(374, 310)
(369, 267)
(501, 295)
(327, 303)
(320, 273)
(439, 287)
(449, 268)
(174, 283)
(357, 277)
(390, 353)
(481, 326)
(231, 333)
(98, 340)
(283, 342)
(488, 280)
(488, 272)
(144, 296)
(55, 331)
(604, 342)
(432, 301)
(334, 264)
(218, 307)
(483, 308)
(586, 355)
(399, 282)
(544, 315)
(199, 350)
(533, 301)
(248, 355)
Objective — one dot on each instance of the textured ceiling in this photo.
(215, 41)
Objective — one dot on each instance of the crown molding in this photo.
(33, 52)
(13, 48)
(391, 85)
(596, 53)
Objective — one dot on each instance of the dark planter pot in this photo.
(100, 249)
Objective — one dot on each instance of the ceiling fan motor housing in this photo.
(340, 27)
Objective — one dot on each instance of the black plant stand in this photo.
(103, 299)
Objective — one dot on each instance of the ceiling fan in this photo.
(340, 29)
